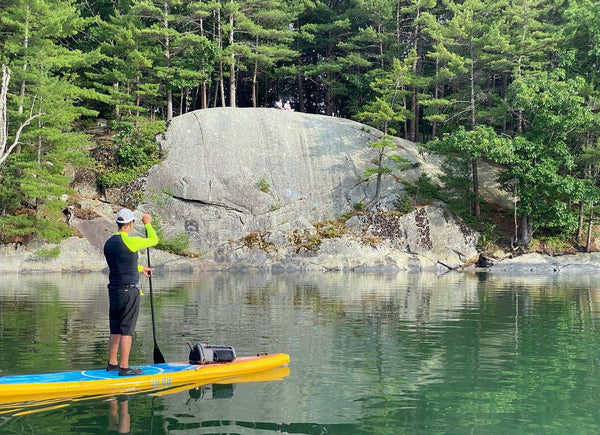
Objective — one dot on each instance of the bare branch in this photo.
(16, 142)
(4, 151)
(3, 117)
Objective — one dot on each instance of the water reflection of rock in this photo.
(403, 296)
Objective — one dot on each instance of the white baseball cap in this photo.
(124, 216)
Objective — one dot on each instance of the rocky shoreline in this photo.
(274, 202)
(78, 255)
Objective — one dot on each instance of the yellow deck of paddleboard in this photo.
(156, 377)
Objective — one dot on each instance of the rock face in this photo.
(538, 264)
(425, 239)
(230, 173)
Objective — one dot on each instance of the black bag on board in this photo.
(210, 353)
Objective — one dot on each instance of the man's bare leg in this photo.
(125, 348)
(113, 348)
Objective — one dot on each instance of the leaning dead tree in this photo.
(5, 147)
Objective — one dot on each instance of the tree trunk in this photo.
(414, 123)
(117, 110)
(202, 90)
(300, 77)
(406, 132)
(472, 87)
(379, 175)
(3, 110)
(473, 125)
(436, 95)
(232, 82)
(525, 231)
(588, 244)
(515, 220)
(580, 223)
(255, 84)
(169, 114)
(328, 100)
(25, 63)
(476, 205)
(221, 87)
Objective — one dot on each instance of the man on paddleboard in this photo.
(121, 252)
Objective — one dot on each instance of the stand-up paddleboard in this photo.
(68, 385)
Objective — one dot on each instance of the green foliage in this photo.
(16, 227)
(424, 190)
(263, 185)
(46, 254)
(404, 204)
(178, 244)
(330, 229)
(552, 245)
(120, 178)
(385, 112)
(136, 146)
(46, 225)
(162, 199)
(137, 150)
(544, 156)
(472, 144)
(43, 86)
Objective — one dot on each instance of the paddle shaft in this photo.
(158, 356)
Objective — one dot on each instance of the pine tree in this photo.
(266, 31)
(385, 113)
(44, 70)
(323, 27)
(461, 39)
(161, 24)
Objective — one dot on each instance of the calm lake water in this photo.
(370, 354)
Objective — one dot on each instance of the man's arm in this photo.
(135, 243)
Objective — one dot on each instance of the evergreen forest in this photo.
(512, 82)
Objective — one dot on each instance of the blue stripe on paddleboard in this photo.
(92, 375)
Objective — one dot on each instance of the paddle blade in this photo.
(158, 356)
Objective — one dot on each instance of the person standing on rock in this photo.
(121, 253)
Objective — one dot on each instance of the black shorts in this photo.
(124, 309)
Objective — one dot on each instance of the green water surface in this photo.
(370, 354)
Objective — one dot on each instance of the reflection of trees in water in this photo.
(512, 352)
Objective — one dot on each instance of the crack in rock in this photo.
(212, 204)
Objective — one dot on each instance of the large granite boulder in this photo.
(230, 172)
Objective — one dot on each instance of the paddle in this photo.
(158, 356)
